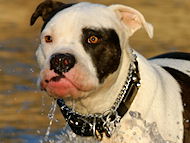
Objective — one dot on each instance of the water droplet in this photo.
(31, 70)
(51, 117)
(178, 137)
(9, 91)
(56, 120)
(67, 136)
(35, 92)
(136, 115)
(148, 129)
(38, 131)
(134, 133)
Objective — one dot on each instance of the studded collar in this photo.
(104, 123)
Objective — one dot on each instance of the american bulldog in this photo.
(104, 88)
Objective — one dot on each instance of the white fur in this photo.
(132, 18)
(158, 99)
(180, 65)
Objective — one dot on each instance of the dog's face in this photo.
(81, 47)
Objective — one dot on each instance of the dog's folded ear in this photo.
(46, 9)
(132, 18)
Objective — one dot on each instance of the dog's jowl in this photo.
(119, 96)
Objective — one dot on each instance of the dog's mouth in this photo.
(75, 84)
(55, 78)
(59, 86)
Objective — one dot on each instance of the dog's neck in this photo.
(103, 98)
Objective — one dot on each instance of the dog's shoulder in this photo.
(174, 55)
(178, 65)
(176, 62)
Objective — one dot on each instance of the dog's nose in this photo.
(62, 63)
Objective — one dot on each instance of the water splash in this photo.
(31, 70)
(149, 129)
(43, 105)
(67, 136)
(51, 115)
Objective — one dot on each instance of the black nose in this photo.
(62, 63)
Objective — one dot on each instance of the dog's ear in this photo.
(45, 9)
(132, 18)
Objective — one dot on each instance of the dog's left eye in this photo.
(93, 40)
(48, 39)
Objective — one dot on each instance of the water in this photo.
(24, 109)
(23, 117)
(149, 129)
(51, 116)
(18, 135)
(66, 135)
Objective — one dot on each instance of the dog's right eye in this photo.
(48, 39)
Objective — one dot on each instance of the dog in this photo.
(118, 95)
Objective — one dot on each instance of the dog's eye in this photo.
(48, 39)
(93, 40)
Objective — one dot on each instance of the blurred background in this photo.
(23, 108)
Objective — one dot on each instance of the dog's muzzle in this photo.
(62, 63)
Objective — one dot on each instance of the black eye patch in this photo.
(90, 33)
(106, 53)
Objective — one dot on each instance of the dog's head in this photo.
(82, 45)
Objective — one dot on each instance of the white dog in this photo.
(118, 95)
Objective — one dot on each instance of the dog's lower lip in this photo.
(57, 78)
